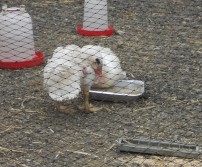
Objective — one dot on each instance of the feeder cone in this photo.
(95, 20)
(16, 40)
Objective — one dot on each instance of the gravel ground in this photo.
(160, 44)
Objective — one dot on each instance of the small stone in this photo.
(119, 32)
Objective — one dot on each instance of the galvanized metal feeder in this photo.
(156, 147)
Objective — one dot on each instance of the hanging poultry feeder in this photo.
(16, 40)
(95, 20)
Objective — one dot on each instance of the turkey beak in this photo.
(98, 70)
(98, 73)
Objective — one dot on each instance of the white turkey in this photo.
(111, 69)
(72, 70)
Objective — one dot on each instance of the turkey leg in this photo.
(88, 107)
(60, 107)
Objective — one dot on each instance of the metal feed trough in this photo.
(156, 147)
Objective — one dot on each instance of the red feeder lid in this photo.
(35, 61)
(84, 32)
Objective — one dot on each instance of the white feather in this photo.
(111, 69)
(62, 75)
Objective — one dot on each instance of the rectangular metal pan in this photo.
(123, 91)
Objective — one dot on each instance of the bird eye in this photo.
(97, 61)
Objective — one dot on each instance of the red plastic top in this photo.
(35, 61)
(84, 32)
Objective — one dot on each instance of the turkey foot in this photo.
(62, 108)
(81, 108)
(106, 108)
(89, 108)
